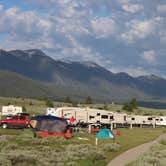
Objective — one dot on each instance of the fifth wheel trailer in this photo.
(88, 115)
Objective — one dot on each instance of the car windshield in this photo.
(14, 118)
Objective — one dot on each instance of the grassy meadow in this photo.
(20, 147)
(38, 107)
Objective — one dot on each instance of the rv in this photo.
(141, 120)
(160, 120)
(88, 115)
(11, 110)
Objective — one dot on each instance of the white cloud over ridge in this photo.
(110, 32)
(149, 56)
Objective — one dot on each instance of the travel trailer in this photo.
(141, 120)
(160, 120)
(11, 110)
(88, 115)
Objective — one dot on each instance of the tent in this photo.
(48, 126)
(105, 133)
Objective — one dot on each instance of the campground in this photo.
(20, 147)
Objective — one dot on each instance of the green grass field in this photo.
(38, 107)
(21, 148)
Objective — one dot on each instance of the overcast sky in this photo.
(121, 35)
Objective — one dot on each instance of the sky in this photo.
(120, 35)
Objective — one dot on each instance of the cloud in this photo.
(132, 8)
(118, 34)
(12, 11)
(161, 8)
(142, 29)
(149, 56)
(104, 27)
(133, 71)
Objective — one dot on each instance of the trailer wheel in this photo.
(4, 126)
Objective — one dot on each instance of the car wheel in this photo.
(4, 125)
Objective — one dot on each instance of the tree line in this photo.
(69, 100)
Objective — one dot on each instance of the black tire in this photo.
(4, 126)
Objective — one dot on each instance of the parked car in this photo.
(19, 121)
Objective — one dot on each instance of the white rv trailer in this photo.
(141, 120)
(147, 120)
(119, 118)
(50, 111)
(88, 115)
(160, 120)
(11, 110)
(67, 112)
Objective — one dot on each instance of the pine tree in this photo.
(24, 109)
(88, 100)
(49, 103)
(67, 100)
(133, 103)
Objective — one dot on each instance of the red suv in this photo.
(19, 121)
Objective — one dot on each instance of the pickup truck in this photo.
(19, 121)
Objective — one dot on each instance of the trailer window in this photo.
(98, 114)
(91, 117)
(157, 119)
(132, 118)
(161, 119)
(125, 118)
(150, 119)
(104, 116)
(112, 117)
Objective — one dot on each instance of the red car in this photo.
(19, 121)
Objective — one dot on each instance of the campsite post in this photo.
(111, 126)
(89, 129)
(96, 141)
(131, 125)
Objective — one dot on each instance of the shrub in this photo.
(112, 147)
(163, 142)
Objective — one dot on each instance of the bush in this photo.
(112, 147)
(163, 142)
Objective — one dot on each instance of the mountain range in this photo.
(31, 73)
